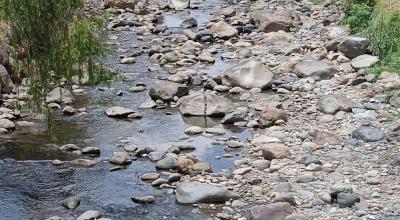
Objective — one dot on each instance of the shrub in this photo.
(348, 4)
(52, 41)
(358, 17)
(384, 33)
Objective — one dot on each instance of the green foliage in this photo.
(348, 4)
(384, 33)
(52, 41)
(358, 17)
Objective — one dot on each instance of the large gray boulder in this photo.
(6, 83)
(353, 47)
(248, 74)
(204, 104)
(189, 193)
(269, 21)
(333, 103)
(166, 90)
(223, 30)
(122, 4)
(318, 70)
(60, 95)
(273, 211)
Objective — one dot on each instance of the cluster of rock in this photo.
(324, 143)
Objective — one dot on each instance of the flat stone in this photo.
(190, 192)
(273, 211)
(118, 112)
(83, 162)
(144, 199)
(150, 176)
(364, 61)
(242, 171)
(368, 134)
(194, 130)
(167, 163)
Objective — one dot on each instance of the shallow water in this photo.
(32, 188)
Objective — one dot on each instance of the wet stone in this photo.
(144, 199)
(71, 202)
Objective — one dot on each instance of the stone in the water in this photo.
(364, 61)
(208, 104)
(189, 23)
(155, 156)
(60, 95)
(166, 91)
(318, 70)
(234, 144)
(194, 130)
(273, 211)
(248, 74)
(137, 89)
(91, 150)
(57, 162)
(216, 131)
(159, 182)
(167, 163)
(128, 60)
(83, 162)
(150, 176)
(368, 134)
(68, 110)
(148, 104)
(118, 112)
(71, 202)
(190, 192)
(69, 147)
(333, 103)
(120, 158)
(353, 47)
(144, 199)
(90, 215)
